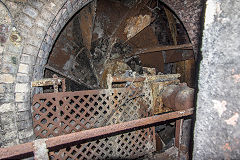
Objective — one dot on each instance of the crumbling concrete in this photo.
(217, 127)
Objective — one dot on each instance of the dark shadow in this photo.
(197, 69)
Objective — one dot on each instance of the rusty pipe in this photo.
(178, 97)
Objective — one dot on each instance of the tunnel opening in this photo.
(122, 37)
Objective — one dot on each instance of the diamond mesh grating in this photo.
(67, 112)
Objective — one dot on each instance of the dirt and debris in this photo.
(102, 40)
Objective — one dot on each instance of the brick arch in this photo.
(39, 25)
(189, 12)
(66, 12)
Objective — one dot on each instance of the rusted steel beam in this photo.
(22, 150)
(128, 79)
(173, 56)
(96, 132)
(178, 133)
(157, 49)
(148, 78)
(163, 48)
(28, 148)
(46, 82)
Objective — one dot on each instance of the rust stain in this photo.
(15, 38)
(87, 18)
(236, 78)
(136, 24)
(227, 147)
(115, 69)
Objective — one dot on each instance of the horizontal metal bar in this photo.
(163, 48)
(22, 150)
(128, 79)
(149, 78)
(88, 134)
(156, 49)
(96, 132)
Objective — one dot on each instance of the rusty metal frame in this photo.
(27, 150)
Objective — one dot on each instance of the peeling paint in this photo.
(220, 106)
(233, 120)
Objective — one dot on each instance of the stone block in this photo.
(23, 116)
(1, 49)
(54, 7)
(8, 118)
(9, 127)
(27, 21)
(14, 49)
(41, 54)
(9, 68)
(42, 23)
(7, 107)
(46, 47)
(47, 15)
(37, 4)
(51, 32)
(23, 107)
(69, 7)
(2, 88)
(13, 59)
(22, 87)
(22, 97)
(27, 59)
(10, 135)
(8, 88)
(24, 125)
(23, 78)
(11, 142)
(31, 50)
(7, 97)
(25, 133)
(23, 30)
(30, 11)
(7, 78)
(38, 32)
(24, 68)
(34, 41)
(25, 140)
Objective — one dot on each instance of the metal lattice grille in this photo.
(67, 112)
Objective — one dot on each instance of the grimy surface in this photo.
(217, 127)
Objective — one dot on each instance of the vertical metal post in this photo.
(178, 135)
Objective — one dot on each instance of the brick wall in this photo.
(190, 13)
(38, 24)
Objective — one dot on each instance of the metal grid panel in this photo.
(67, 112)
